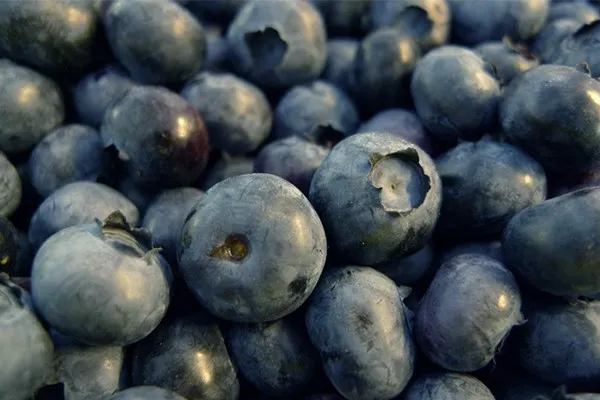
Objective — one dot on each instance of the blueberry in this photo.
(508, 59)
(276, 357)
(67, 154)
(56, 36)
(31, 105)
(426, 21)
(165, 217)
(146, 393)
(318, 111)
(548, 40)
(217, 51)
(10, 187)
(552, 245)
(561, 394)
(410, 269)
(491, 249)
(476, 21)
(345, 18)
(140, 196)
(340, 58)
(88, 372)
(583, 396)
(187, 354)
(380, 75)
(75, 204)
(160, 138)
(357, 321)
(278, 44)
(559, 344)
(237, 114)
(468, 309)
(578, 11)
(447, 386)
(253, 249)
(402, 122)
(444, 82)
(10, 247)
(27, 350)
(100, 285)
(226, 167)
(159, 42)
(378, 197)
(294, 159)
(553, 112)
(484, 184)
(579, 46)
(94, 93)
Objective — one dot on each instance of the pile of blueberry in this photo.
(299, 199)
